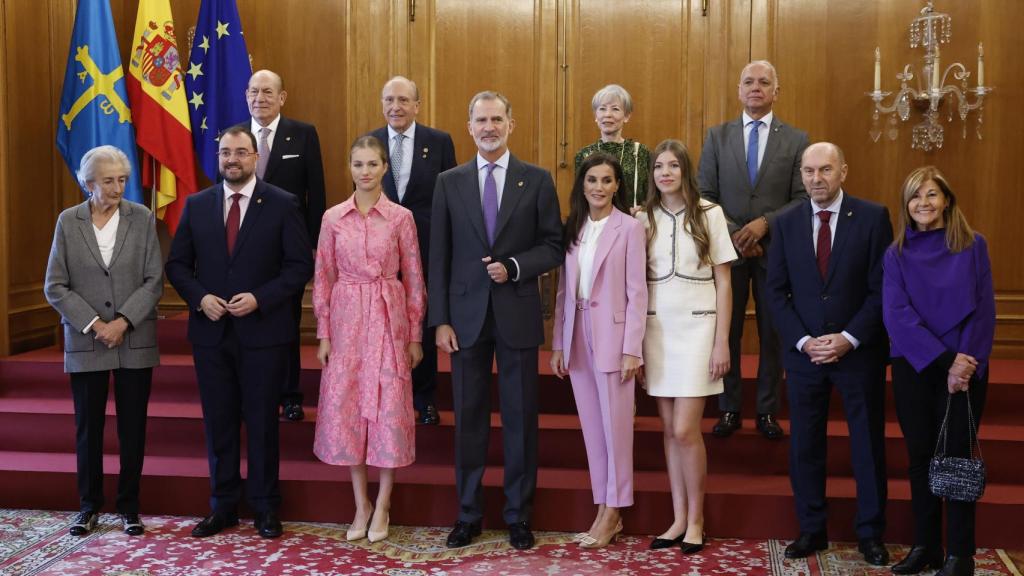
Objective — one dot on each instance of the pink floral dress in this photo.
(365, 413)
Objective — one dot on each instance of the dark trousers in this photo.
(424, 376)
(235, 384)
(920, 407)
(290, 392)
(131, 398)
(863, 396)
(769, 367)
(517, 388)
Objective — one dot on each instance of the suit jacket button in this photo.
(107, 304)
(593, 304)
(824, 296)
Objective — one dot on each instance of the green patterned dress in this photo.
(635, 159)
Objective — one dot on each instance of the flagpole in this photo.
(156, 176)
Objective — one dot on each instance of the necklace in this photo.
(621, 151)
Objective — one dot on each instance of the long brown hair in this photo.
(694, 220)
(579, 208)
(959, 235)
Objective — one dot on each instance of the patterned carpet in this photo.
(35, 543)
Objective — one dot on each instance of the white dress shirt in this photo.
(407, 151)
(833, 220)
(243, 202)
(256, 127)
(762, 133)
(588, 248)
(106, 237)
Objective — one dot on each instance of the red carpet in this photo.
(36, 543)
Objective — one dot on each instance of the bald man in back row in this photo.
(289, 158)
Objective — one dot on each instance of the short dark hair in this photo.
(238, 129)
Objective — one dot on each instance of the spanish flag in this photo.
(156, 91)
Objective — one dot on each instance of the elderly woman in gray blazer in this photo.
(104, 277)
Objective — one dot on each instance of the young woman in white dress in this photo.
(686, 346)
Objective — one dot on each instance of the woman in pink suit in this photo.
(598, 334)
(369, 300)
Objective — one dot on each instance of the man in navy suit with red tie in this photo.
(418, 155)
(825, 289)
(240, 255)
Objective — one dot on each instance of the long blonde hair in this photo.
(959, 235)
(694, 220)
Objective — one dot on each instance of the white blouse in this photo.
(588, 247)
(107, 236)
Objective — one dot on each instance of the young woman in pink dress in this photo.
(369, 299)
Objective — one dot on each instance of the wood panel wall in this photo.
(680, 59)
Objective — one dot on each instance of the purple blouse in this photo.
(934, 301)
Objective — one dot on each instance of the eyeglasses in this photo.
(241, 154)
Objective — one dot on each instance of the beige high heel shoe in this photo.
(378, 535)
(353, 533)
(590, 542)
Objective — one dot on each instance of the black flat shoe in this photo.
(213, 524)
(957, 566)
(462, 534)
(268, 525)
(688, 548)
(806, 545)
(661, 543)
(874, 551)
(728, 423)
(520, 536)
(917, 560)
(83, 523)
(131, 525)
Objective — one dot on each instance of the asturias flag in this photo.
(156, 89)
(93, 104)
(217, 76)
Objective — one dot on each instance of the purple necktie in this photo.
(490, 203)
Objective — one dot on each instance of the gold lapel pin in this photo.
(259, 200)
(287, 138)
(850, 213)
(425, 149)
(520, 183)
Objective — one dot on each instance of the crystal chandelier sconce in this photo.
(930, 92)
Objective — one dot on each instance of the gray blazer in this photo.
(723, 179)
(80, 287)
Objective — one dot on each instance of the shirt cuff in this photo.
(515, 277)
(89, 325)
(800, 343)
(854, 341)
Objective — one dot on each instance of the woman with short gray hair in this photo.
(613, 107)
(105, 277)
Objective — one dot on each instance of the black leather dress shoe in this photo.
(769, 427)
(660, 543)
(957, 566)
(874, 551)
(462, 534)
(428, 416)
(520, 536)
(293, 411)
(728, 423)
(131, 525)
(83, 523)
(917, 560)
(213, 524)
(268, 525)
(806, 545)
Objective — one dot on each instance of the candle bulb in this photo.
(935, 70)
(878, 69)
(981, 65)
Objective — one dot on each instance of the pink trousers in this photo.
(605, 406)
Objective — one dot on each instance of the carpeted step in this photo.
(737, 505)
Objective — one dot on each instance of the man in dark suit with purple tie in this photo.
(240, 255)
(418, 155)
(825, 289)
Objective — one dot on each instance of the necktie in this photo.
(752, 145)
(824, 242)
(490, 203)
(396, 163)
(264, 152)
(234, 219)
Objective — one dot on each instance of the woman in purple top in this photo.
(939, 309)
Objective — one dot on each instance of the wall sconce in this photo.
(929, 30)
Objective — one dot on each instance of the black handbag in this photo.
(954, 478)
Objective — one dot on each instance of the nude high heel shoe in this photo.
(589, 541)
(378, 535)
(353, 533)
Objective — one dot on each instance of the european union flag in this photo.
(218, 74)
(94, 103)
